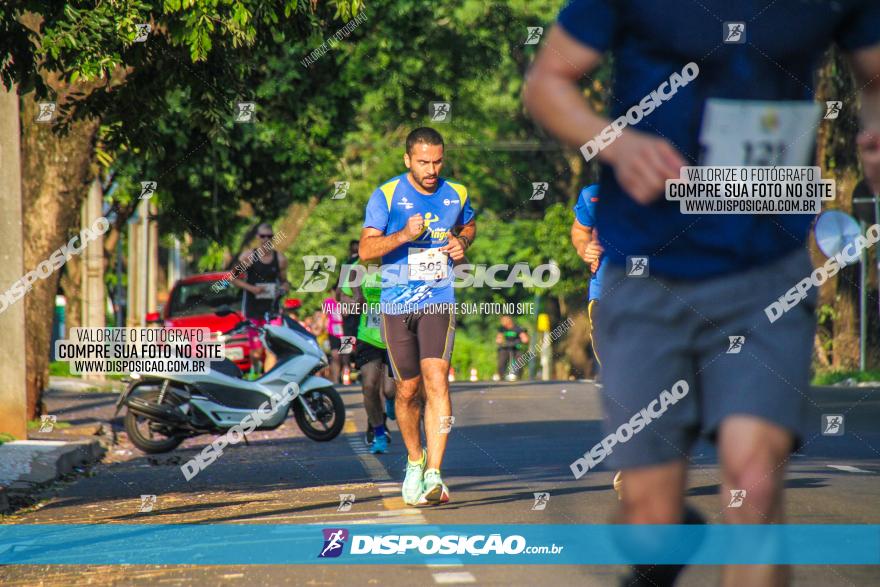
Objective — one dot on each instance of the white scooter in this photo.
(164, 410)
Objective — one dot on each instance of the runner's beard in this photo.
(421, 181)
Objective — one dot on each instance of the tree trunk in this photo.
(838, 158)
(56, 172)
(71, 286)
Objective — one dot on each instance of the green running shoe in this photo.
(412, 483)
(435, 491)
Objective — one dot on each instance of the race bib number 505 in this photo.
(758, 133)
(427, 264)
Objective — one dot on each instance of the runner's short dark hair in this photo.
(424, 134)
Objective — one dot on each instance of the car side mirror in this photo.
(224, 310)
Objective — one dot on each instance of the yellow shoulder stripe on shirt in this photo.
(460, 190)
(388, 190)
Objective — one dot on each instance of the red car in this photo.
(192, 303)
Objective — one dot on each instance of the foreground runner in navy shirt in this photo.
(687, 348)
(651, 40)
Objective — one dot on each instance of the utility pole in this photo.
(13, 388)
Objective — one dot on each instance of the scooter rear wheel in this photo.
(329, 409)
(140, 430)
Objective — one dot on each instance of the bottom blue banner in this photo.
(236, 544)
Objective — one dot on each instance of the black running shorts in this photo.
(365, 353)
(416, 336)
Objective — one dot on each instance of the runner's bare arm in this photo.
(551, 93)
(457, 245)
(374, 243)
(580, 237)
(641, 162)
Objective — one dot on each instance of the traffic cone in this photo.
(346, 377)
(473, 374)
(451, 374)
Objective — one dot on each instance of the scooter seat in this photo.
(227, 367)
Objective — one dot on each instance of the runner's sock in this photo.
(379, 430)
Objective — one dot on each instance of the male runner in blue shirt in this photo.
(410, 223)
(585, 240)
(695, 90)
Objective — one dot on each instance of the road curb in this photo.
(29, 465)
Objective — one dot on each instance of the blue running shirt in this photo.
(650, 39)
(585, 213)
(408, 282)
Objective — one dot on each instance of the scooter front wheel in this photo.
(328, 409)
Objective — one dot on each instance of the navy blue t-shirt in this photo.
(651, 40)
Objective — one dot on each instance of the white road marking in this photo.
(445, 563)
(453, 578)
(849, 469)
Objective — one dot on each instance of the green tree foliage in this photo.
(167, 105)
(473, 57)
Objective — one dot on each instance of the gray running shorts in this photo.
(656, 331)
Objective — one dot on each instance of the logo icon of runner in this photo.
(736, 344)
(340, 190)
(832, 109)
(148, 188)
(737, 496)
(346, 500)
(47, 422)
(446, 423)
(539, 190)
(47, 112)
(534, 35)
(832, 424)
(147, 503)
(317, 272)
(334, 540)
(143, 31)
(735, 32)
(245, 111)
(346, 344)
(541, 501)
(440, 111)
(637, 266)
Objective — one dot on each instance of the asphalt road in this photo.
(509, 441)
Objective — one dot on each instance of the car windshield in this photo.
(192, 299)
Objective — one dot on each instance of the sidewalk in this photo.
(29, 465)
